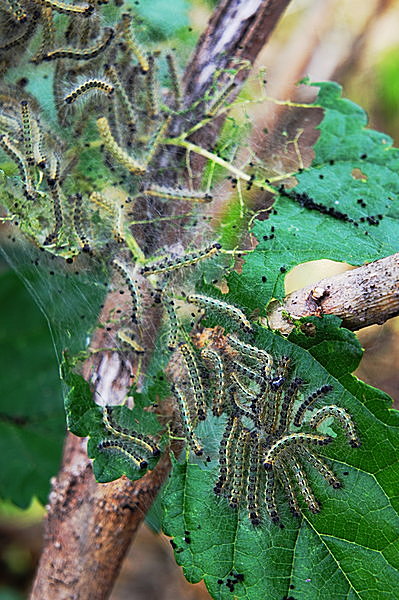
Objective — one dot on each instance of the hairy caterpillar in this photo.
(68, 9)
(127, 106)
(173, 333)
(235, 313)
(77, 221)
(190, 360)
(260, 411)
(250, 351)
(176, 87)
(129, 341)
(292, 439)
(187, 421)
(124, 450)
(27, 132)
(176, 194)
(87, 86)
(303, 483)
(152, 100)
(58, 216)
(219, 379)
(307, 404)
(342, 416)
(130, 436)
(132, 43)
(15, 155)
(115, 150)
(85, 53)
(124, 271)
(187, 260)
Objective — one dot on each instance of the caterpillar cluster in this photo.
(129, 445)
(269, 434)
(113, 85)
(114, 90)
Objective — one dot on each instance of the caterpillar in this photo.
(115, 150)
(152, 100)
(9, 124)
(134, 437)
(307, 403)
(238, 467)
(281, 469)
(123, 449)
(164, 266)
(58, 216)
(68, 9)
(37, 142)
(342, 416)
(87, 86)
(226, 452)
(289, 440)
(21, 163)
(219, 100)
(321, 467)
(176, 87)
(30, 26)
(82, 54)
(219, 379)
(186, 421)
(53, 170)
(48, 34)
(247, 372)
(270, 497)
(27, 132)
(235, 313)
(251, 351)
(124, 271)
(303, 484)
(251, 395)
(155, 140)
(254, 475)
(173, 333)
(127, 106)
(77, 221)
(190, 360)
(287, 404)
(258, 452)
(176, 194)
(132, 43)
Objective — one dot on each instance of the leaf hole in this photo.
(358, 174)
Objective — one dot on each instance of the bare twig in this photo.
(360, 297)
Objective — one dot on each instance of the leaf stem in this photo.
(179, 141)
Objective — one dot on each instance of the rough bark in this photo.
(360, 297)
(89, 526)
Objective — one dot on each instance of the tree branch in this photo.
(360, 297)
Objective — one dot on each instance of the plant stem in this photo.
(182, 143)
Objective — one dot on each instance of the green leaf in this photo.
(355, 173)
(349, 550)
(32, 420)
(336, 348)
